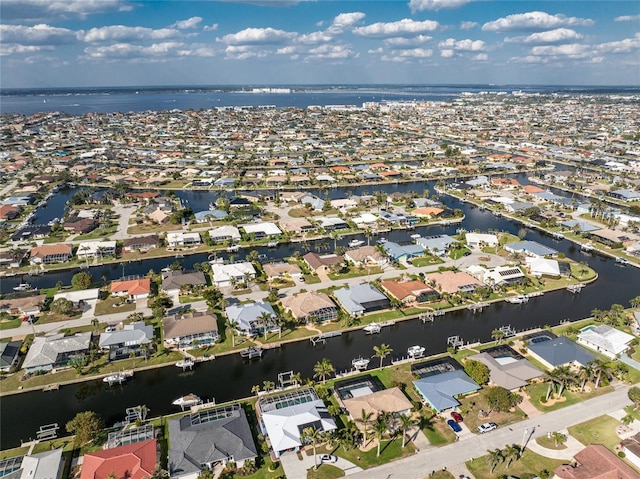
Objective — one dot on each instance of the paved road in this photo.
(422, 463)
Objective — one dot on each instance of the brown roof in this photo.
(302, 304)
(187, 324)
(50, 249)
(314, 260)
(596, 462)
(450, 281)
(141, 240)
(82, 225)
(277, 269)
(22, 304)
(390, 400)
(408, 288)
(364, 253)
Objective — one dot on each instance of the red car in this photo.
(456, 416)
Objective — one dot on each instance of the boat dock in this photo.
(475, 307)
(322, 338)
(575, 288)
(51, 387)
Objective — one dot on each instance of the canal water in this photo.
(230, 377)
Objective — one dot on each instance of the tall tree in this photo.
(85, 425)
(382, 352)
(494, 458)
(634, 396)
(323, 369)
(405, 422)
(312, 435)
(599, 367)
(510, 452)
(379, 428)
(364, 419)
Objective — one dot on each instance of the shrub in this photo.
(621, 454)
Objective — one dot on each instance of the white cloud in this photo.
(529, 59)
(533, 21)
(345, 20)
(192, 22)
(257, 36)
(17, 49)
(446, 53)
(572, 50)
(415, 53)
(419, 5)
(627, 45)
(462, 45)
(59, 9)
(122, 33)
(559, 35)
(41, 34)
(402, 27)
(210, 28)
(627, 18)
(402, 42)
(468, 25)
(314, 38)
(127, 51)
(288, 50)
(331, 52)
(480, 57)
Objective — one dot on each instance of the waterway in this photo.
(230, 377)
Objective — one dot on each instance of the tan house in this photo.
(50, 253)
(365, 255)
(409, 291)
(190, 330)
(454, 281)
(596, 462)
(281, 270)
(390, 400)
(310, 305)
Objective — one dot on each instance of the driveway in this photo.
(295, 468)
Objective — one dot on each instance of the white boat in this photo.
(116, 378)
(519, 299)
(232, 248)
(185, 363)
(416, 351)
(251, 352)
(372, 328)
(23, 287)
(212, 206)
(558, 236)
(272, 244)
(415, 236)
(355, 243)
(587, 248)
(622, 260)
(187, 401)
(360, 363)
(382, 240)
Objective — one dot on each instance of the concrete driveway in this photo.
(295, 468)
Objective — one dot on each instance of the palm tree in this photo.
(494, 458)
(599, 368)
(635, 302)
(95, 323)
(405, 422)
(628, 419)
(379, 428)
(565, 378)
(584, 374)
(552, 380)
(323, 369)
(510, 452)
(364, 420)
(497, 335)
(265, 320)
(232, 327)
(268, 385)
(382, 352)
(255, 389)
(312, 435)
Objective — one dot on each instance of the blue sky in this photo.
(69, 43)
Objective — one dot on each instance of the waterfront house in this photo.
(580, 226)
(531, 248)
(80, 225)
(555, 352)
(437, 245)
(96, 249)
(365, 256)
(126, 341)
(507, 368)
(310, 306)
(140, 243)
(402, 252)
(409, 291)
(12, 258)
(330, 223)
(624, 195)
(391, 401)
(453, 281)
(133, 289)
(606, 340)
(428, 212)
(44, 465)
(440, 391)
(316, 261)
(595, 462)
(180, 238)
(500, 275)
(231, 274)
(209, 438)
(189, 330)
(361, 299)
(210, 215)
(174, 281)
(9, 355)
(295, 225)
(224, 233)
(539, 267)
(281, 270)
(50, 253)
(478, 240)
(25, 306)
(283, 417)
(132, 461)
(49, 352)
(79, 298)
(251, 318)
(260, 231)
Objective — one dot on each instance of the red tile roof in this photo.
(596, 462)
(134, 286)
(134, 461)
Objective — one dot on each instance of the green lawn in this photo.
(601, 430)
(355, 272)
(389, 450)
(17, 451)
(527, 467)
(114, 305)
(538, 391)
(10, 323)
(325, 471)
(425, 261)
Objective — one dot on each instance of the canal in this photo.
(230, 377)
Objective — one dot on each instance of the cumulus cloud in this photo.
(41, 34)
(210, 28)
(314, 38)
(18, 49)
(122, 33)
(462, 45)
(447, 53)
(346, 20)
(400, 28)
(35, 10)
(192, 22)
(257, 36)
(402, 42)
(333, 52)
(627, 18)
(419, 5)
(559, 35)
(480, 57)
(415, 53)
(468, 25)
(627, 45)
(571, 50)
(533, 21)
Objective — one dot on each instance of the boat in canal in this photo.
(360, 364)
(519, 299)
(23, 287)
(251, 352)
(355, 243)
(372, 328)
(187, 401)
(186, 363)
(416, 351)
(116, 378)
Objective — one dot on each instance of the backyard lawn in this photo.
(527, 467)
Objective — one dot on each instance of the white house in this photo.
(96, 249)
(224, 233)
(261, 230)
(542, 266)
(606, 340)
(179, 238)
(476, 240)
(228, 274)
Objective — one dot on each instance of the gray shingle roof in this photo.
(440, 390)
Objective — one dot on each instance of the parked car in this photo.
(454, 425)
(328, 458)
(456, 416)
(486, 427)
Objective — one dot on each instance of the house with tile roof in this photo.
(310, 305)
(183, 330)
(50, 253)
(230, 274)
(507, 368)
(391, 400)
(134, 289)
(596, 462)
(248, 317)
(133, 461)
(409, 291)
(140, 243)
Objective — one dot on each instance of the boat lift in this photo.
(48, 432)
(455, 341)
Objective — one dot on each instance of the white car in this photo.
(486, 427)
(328, 458)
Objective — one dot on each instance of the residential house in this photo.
(79, 298)
(501, 275)
(330, 223)
(181, 238)
(260, 231)
(624, 195)
(96, 249)
(478, 240)
(596, 462)
(283, 417)
(631, 447)
(440, 391)
(174, 281)
(232, 274)
(361, 299)
(295, 225)
(50, 253)
(44, 465)
(539, 267)
(209, 438)
(140, 243)
(251, 318)
(409, 291)
(391, 401)
(132, 461)
(428, 212)
(133, 289)
(402, 252)
(316, 261)
(49, 352)
(80, 225)
(365, 256)
(555, 352)
(126, 341)
(606, 340)
(9, 355)
(27, 306)
(507, 368)
(189, 330)
(225, 233)
(281, 270)
(453, 282)
(531, 248)
(437, 245)
(31, 232)
(310, 306)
